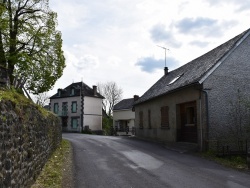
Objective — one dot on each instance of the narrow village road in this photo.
(108, 162)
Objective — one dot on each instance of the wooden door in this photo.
(188, 115)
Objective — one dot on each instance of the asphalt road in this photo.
(108, 162)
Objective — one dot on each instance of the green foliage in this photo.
(32, 47)
(237, 162)
(86, 131)
(107, 125)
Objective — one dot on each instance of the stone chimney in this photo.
(95, 90)
(165, 71)
(136, 97)
(59, 92)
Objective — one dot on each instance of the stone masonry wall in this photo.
(27, 139)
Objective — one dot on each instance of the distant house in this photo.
(193, 103)
(79, 106)
(124, 116)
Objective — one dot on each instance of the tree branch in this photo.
(28, 12)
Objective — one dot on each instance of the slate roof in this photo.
(190, 73)
(66, 92)
(124, 104)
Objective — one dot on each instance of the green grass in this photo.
(20, 100)
(51, 175)
(235, 162)
(14, 96)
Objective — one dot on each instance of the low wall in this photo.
(27, 139)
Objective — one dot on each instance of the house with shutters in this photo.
(195, 102)
(124, 116)
(79, 106)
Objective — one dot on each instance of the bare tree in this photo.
(112, 94)
(42, 99)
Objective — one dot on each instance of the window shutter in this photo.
(165, 117)
(141, 119)
(149, 119)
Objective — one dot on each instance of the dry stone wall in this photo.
(27, 139)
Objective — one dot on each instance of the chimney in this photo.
(165, 71)
(136, 97)
(59, 92)
(95, 90)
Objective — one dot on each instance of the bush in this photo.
(107, 126)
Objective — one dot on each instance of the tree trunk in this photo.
(2, 54)
(13, 27)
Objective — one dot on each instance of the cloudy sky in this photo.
(116, 40)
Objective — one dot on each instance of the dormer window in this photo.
(72, 91)
(59, 92)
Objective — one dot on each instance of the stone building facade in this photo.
(202, 101)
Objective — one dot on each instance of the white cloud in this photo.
(240, 5)
(151, 64)
(160, 33)
(86, 62)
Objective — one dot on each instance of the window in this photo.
(164, 117)
(56, 108)
(74, 107)
(72, 91)
(149, 119)
(141, 119)
(64, 108)
(74, 123)
(190, 115)
(175, 79)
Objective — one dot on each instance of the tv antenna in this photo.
(165, 53)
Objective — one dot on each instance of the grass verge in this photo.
(51, 175)
(235, 162)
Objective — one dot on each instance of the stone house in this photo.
(124, 116)
(193, 103)
(79, 106)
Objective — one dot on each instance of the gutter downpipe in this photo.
(207, 112)
(81, 93)
(201, 127)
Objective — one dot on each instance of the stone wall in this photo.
(27, 139)
(229, 97)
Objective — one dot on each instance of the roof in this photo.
(86, 90)
(124, 104)
(191, 73)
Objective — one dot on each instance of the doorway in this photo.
(188, 122)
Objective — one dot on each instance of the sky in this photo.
(118, 40)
